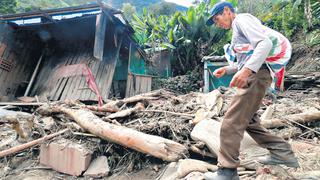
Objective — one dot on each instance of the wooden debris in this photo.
(307, 175)
(104, 108)
(27, 99)
(127, 112)
(21, 147)
(137, 98)
(48, 123)
(168, 112)
(295, 80)
(21, 122)
(195, 149)
(21, 104)
(299, 118)
(154, 145)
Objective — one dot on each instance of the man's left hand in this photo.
(240, 79)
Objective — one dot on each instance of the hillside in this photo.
(139, 4)
(28, 5)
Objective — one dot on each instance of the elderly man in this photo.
(260, 56)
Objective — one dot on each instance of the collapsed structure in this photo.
(70, 53)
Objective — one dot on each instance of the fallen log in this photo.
(159, 147)
(298, 118)
(21, 147)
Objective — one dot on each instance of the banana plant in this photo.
(184, 33)
(311, 9)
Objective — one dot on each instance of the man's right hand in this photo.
(218, 73)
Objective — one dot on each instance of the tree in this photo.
(7, 6)
(128, 10)
(34, 5)
(311, 10)
(254, 7)
(184, 33)
(163, 8)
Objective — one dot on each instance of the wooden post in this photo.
(34, 74)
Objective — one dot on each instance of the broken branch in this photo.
(21, 147)
(298, 118)
(126, 112)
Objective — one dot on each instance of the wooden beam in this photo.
(21, 104)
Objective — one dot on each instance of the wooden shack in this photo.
(83, 52)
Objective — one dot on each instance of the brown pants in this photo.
(241, 116)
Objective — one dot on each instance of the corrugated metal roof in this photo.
(52, 15)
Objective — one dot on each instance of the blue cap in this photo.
(218, 8)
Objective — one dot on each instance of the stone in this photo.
(183, 167)
(98, 168)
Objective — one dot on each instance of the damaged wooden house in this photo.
(83, 52)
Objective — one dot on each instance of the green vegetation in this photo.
(18, 6)
(189, 39)
(7, 6)
(185, 32)
(163, 8)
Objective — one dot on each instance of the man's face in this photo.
(224, 19)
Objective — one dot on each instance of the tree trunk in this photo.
(159, 147)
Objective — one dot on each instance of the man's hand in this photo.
(240, 79)
(218, 73)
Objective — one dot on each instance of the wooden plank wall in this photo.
(138, 84)
(78, 50)
(21, 50)
(56, 84)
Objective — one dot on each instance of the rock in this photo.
(184, 167)
(98, 168)
(194, 176)
(211, 128)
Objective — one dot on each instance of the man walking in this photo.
(260, 56)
